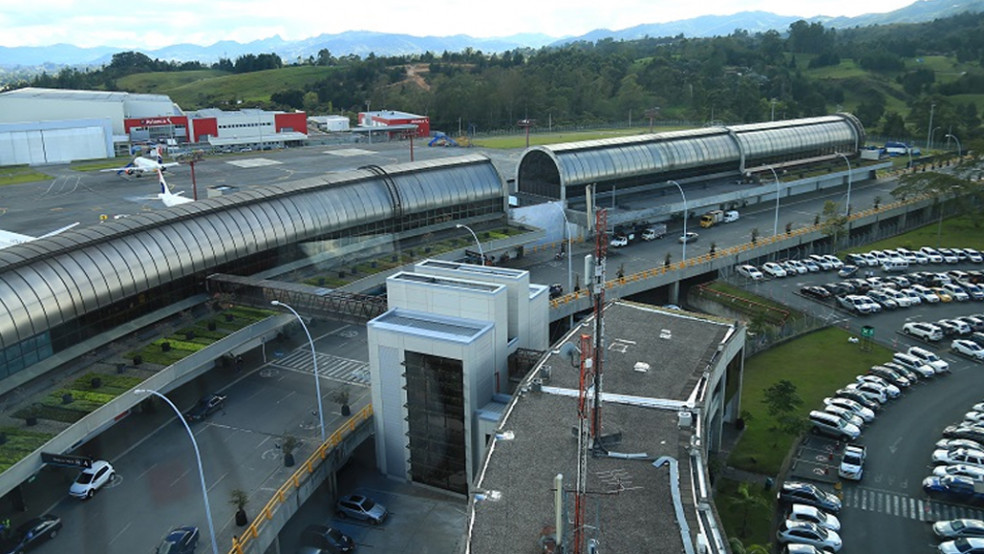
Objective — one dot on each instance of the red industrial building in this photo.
(401, 121)
(222, 128)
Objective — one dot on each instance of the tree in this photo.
(834, 221)
(781, 398)
(746, 501)
(941, 186)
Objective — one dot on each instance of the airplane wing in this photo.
(10, 238)
(128, 169)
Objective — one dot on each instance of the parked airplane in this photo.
(140, 164)
(9, 238)
(170, 199)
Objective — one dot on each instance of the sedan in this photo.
(180, 540)
(774, 270)
(959, 443)
(963, 545)
(890, 375)
(974, 472)
(956, 528)
(959, 456)
(328, 539)
(847, 271)
(750, 272)
(890, 390)
(863, 412)
(968, 348)
(797, 266)
(92, 479)
(857, 396)
(361, 507)
(817, 292)
(802, 532)
(690, 236)
(32, 533)
(205, 407)
(969, 432)
(812, 514)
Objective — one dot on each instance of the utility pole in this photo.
(929, 132)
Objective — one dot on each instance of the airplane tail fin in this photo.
(165, 191)
(160, 155)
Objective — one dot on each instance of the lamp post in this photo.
(775, 224)
(929, 139)
(314, 358)
(931, 135)
(480, 253)
(959, 150)
(684, 196)
(198, 458)
(773, 102)
(847, 208)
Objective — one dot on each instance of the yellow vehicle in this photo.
(711, 217)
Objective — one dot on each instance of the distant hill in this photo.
(361, 43)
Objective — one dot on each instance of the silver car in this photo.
(361, 507)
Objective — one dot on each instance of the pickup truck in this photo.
(852, 464)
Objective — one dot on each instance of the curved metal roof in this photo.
(46, 282)
(545, 170)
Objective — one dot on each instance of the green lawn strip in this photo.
(19, 444)
(15, 174)
(956, 232)
(818, 364)
(748, 303)
(748, 520)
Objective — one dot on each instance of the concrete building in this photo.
(250, 127)
(399, 121)
(440, 359)
(330, 123)
(670, 379)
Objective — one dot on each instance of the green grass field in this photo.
(955, 232)
(538, 139)
(818, 364)
(750, 521)
(15, 174)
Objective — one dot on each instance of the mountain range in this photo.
(362, 43)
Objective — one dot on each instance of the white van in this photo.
(895, 264)
(730, 216)
(830, 424)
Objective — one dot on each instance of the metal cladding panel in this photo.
(74, 276)
(21, 302)
(146, 273)
(103, 276)
(42, 300)
(8, 326)
(62, 296)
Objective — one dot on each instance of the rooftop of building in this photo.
(629, 505)
(89, 95)
(434, 326)
(394, 114)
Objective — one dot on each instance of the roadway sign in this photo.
(66, 460)
(867, 331)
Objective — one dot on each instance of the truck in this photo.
(711, 217)
(852, 464)
(654, 232)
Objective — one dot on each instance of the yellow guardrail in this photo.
(294, 481)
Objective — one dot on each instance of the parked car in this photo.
(963, 545)
(966, 470)
(689, 237)
(361, 507)
(817, 292)
(859, 398)
(914, 297)
(890, 390)
(956, 528)
(926, 331)
(856, 303)
(964, 431)
(912, 376)
(796, 548)
(959, 443)
(890, 375)
(927, 357)
(750, 272)
(959, 456)
(205, 407)
(811, 265)
(802, 532)
(797, 492)
(957, 292)
(814, 515)
(824, 263)
(798, 266)
(866, 414)
(619, 241)
(845, 414)
(870, 391)
(830, 424)
(91, 479)
(932, 254)
(852, 463)
(973, 255)
(774, 270)
(30, 534)
(834, 261)
(925, 294)
(954, 487)
(968, 348)
(847, 271)
(180, 540)
(328, 539)
(958, 327)
(883, 299)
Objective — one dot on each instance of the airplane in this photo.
(170, 199)
(10, 238)
(140, 164)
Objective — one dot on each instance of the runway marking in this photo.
(123, 530)
(253, 162)
(349, 152)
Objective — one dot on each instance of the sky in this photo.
(149, 25)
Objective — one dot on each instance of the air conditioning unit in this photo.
(684, 419)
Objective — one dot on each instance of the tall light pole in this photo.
(684, 196)
(847, 208)
(773, 102)
(959, 150)
(198, 458)
(314, 359)
(929, 136)
(933, 134)
(775, 224)
(480, 253)
(567, 230)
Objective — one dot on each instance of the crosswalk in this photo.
(899, 505)
(329, 367)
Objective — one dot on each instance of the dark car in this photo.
(970, 432)
(954, 487)
(206, 407)
(31, 534)
(814, 291)
(327, 539)
(795, 492)
(180, 540)
(859, 398)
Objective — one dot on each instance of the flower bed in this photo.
(19, 444)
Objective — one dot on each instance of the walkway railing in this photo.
(294, 481)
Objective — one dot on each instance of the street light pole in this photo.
(314, 359)
(929, 138)
(775, 224)
(198, 458)
(959, 150)
(931, 135)
(480, 253)
(684, 196)
(847, 208)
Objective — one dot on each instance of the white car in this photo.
(890, 390)
(927, 357)
(931, 253)
(926, 331)
(835, 262)
(846, 414)
(751, 272)
(926, 294)
(973, 418)
(852, 464)
(774, 270)
(914, 297)
(956, 528)
(962, 545)
(689, 237)
(867, 414)
(959, 456)
(821, 261)
(91, 479)
(619, 241)
(808, 533)
(811, 514)
(968, 348)
(950, 444)
(973, 255)
(964, 470)
(956, 292)
(798, 266)
(870, 391)
(811, 265)
(902, 299)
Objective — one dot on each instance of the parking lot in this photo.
(887, 511)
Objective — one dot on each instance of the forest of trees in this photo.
(737, 78)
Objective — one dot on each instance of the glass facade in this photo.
(436, 421)
(57, 291)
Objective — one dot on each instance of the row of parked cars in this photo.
(925, 255)
(788, 268)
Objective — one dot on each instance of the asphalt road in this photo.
(887, 511)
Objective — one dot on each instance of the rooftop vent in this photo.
(665, 334)
(685, 419)
(641, 367)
